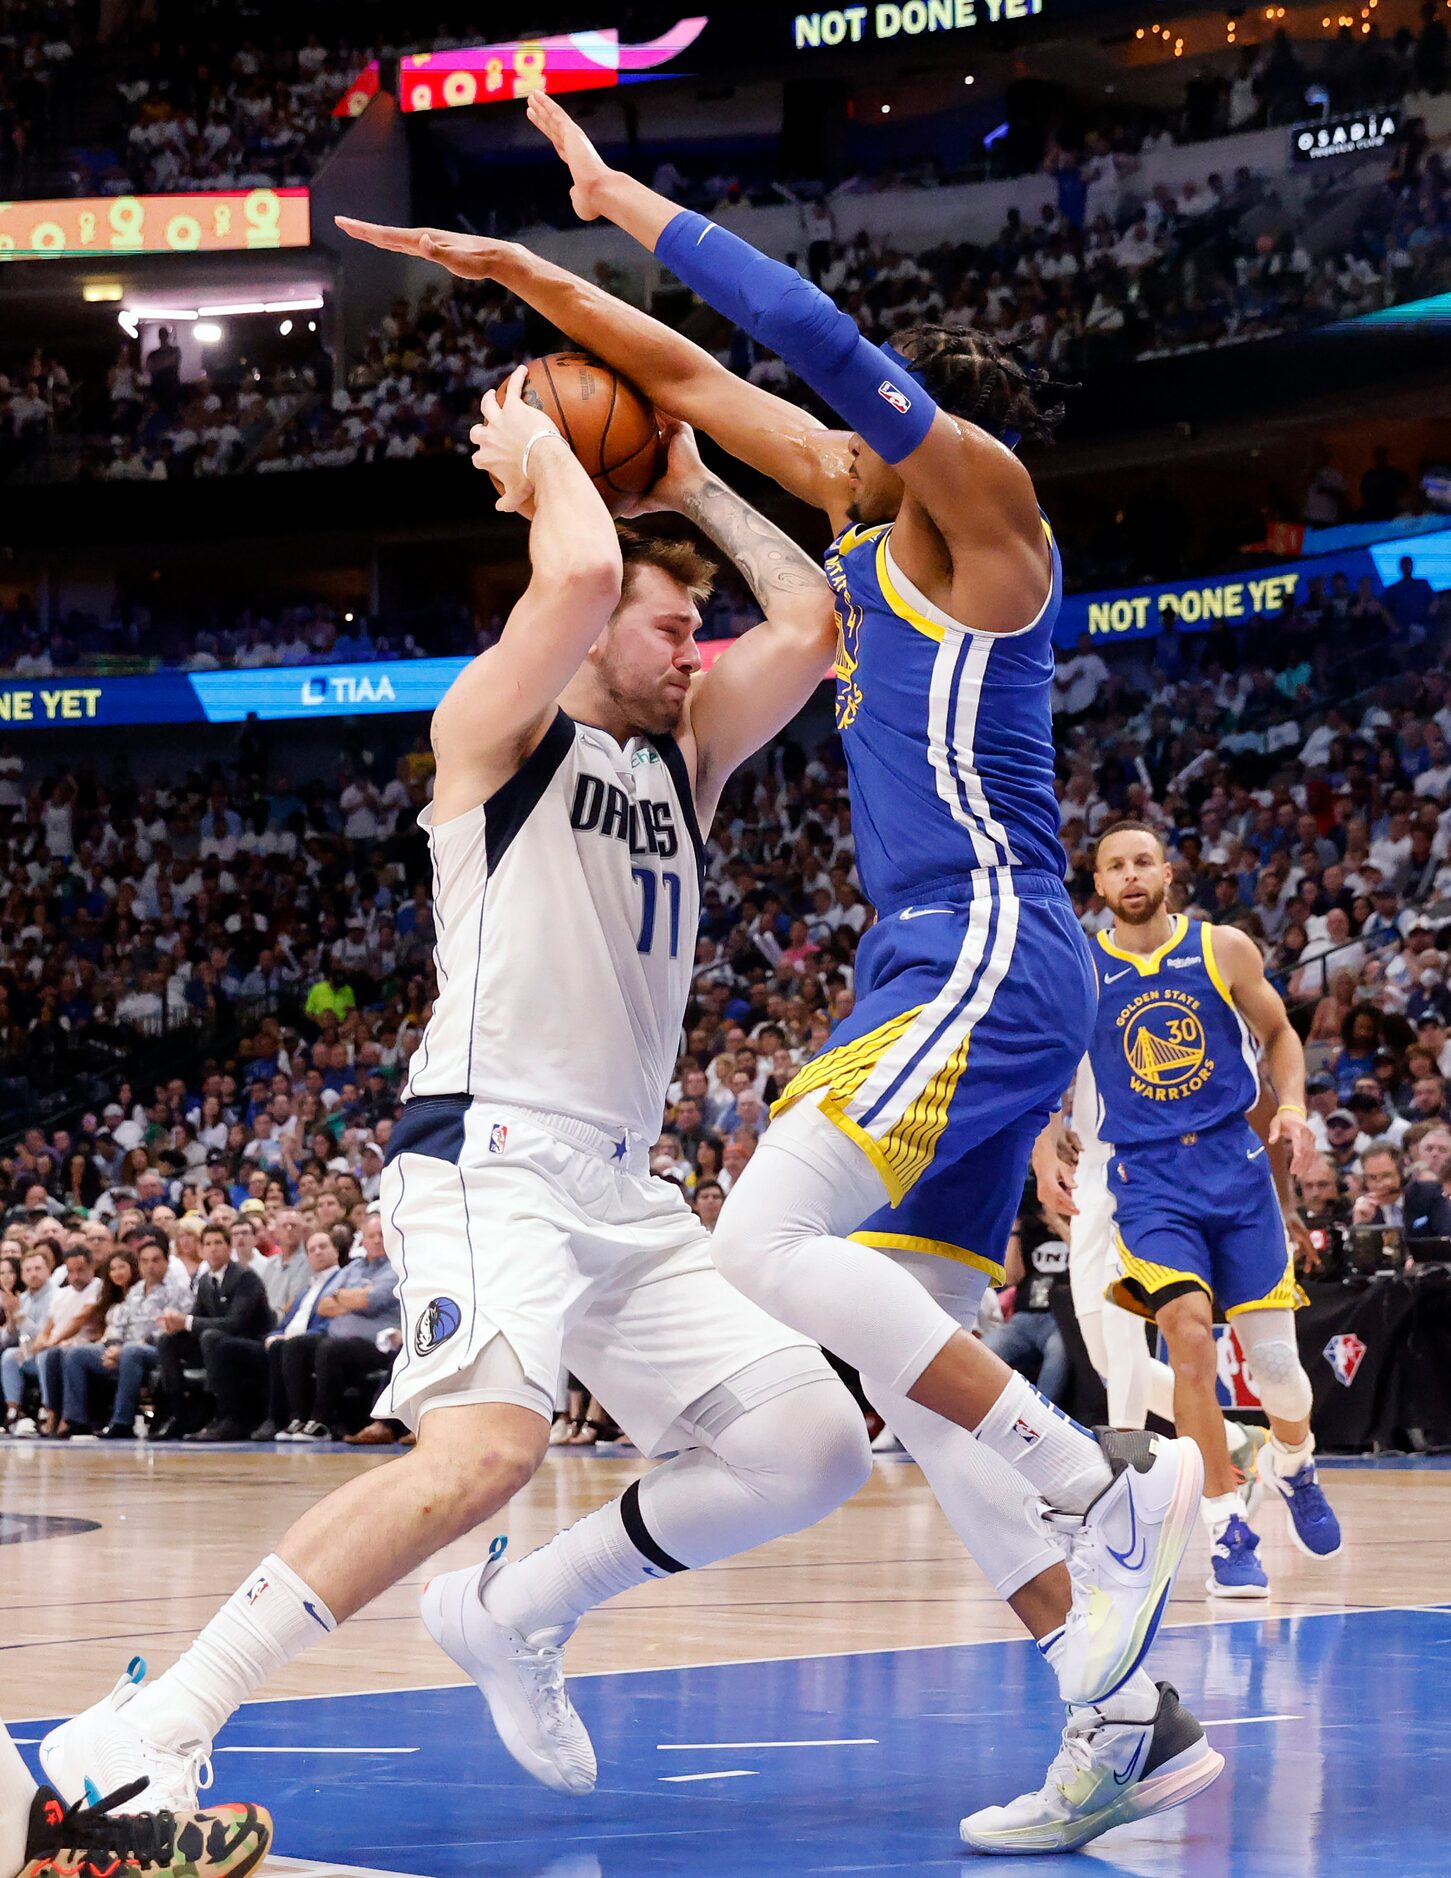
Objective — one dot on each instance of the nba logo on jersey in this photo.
(498, 1137)
(898, 400)
(1345, 1353)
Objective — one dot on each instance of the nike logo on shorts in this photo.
(1253, 1154)
(921, 912)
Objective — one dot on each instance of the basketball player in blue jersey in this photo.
(888, 1183)
(1181, 1007)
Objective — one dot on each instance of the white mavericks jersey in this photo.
(1086, 1121)
(567, 907)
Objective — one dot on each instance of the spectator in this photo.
(230, 1302)
(1037, 1264)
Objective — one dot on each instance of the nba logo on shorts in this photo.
(498, 1135)
(1345, 1353)
(438, 1323)
(898, 400)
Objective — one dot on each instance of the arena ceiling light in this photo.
(129, 318)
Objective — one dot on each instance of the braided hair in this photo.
(974, 376)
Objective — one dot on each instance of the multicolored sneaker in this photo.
(97, 1842)
(1236, 1571)
(1106, 1773)
(1313, 1525)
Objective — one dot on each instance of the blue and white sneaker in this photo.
(1313, 1525)
(1236, 1571)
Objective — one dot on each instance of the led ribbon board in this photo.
(436, 81)
(209, 220)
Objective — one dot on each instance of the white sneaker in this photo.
(104, 1747)
(522, 1678)
(1105, 1774)
(1122, 1557)
(24, 1429)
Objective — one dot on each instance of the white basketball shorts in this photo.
(1092, 1259)
(503, 1220)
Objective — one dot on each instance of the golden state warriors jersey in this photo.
(1170, 1053)
(948, 732)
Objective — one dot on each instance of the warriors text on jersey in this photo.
(948, 733)
(567, 907)
(1171, 1055)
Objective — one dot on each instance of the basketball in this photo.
(609, 425)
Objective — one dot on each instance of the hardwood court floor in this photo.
(122, 1551)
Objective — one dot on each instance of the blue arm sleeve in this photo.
(870, 389)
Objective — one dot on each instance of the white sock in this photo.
(17, 1790)
(273, 1617)
(1137, 1700)
(1219, 1510)
(1062, 1460)
(1288, 1461)
(554, 1586)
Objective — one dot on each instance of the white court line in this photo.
(305, 1868)
(1240, 1721)
(730, 1773)
(821, 1656)
(312, 1750)
(693, 1747)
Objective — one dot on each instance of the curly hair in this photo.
(974, 376)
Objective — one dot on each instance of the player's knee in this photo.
(465, 1474)
(1191, 1349)
(831, 1437)
(801, 1454)
(1280, 1380)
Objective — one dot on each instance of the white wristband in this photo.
(538, 437)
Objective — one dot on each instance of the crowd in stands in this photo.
(1117, 271)
(290, 930)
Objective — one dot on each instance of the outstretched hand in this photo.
(471, 257)
(587, 168)
(501, 440)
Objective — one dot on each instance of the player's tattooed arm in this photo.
(760, 683)
(769, 561)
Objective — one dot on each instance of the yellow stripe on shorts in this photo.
(903, 1153)
(936, 1248)
(1286, 1296)
(1150, 1278)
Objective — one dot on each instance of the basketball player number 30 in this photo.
(649, 891)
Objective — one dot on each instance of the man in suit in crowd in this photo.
(230, 1302)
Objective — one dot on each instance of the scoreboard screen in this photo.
(434, 81)
(213, 220)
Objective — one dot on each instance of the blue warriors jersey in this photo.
(948, 732)
(1171, 1055)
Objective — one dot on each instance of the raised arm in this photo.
(759, 684)
(976, 543)
(501, 704)
(770, 433)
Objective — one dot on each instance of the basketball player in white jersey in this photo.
(576, 760)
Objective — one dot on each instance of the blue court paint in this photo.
(1349, 1787)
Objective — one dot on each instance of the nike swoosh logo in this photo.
(707, 230)
(921, 912)
(1253, 1154)
(1123, 1779)
(1112, 978)
(311, 1610)
(1137, 1542)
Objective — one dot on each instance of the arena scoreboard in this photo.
(204, 220)
(586, 61)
